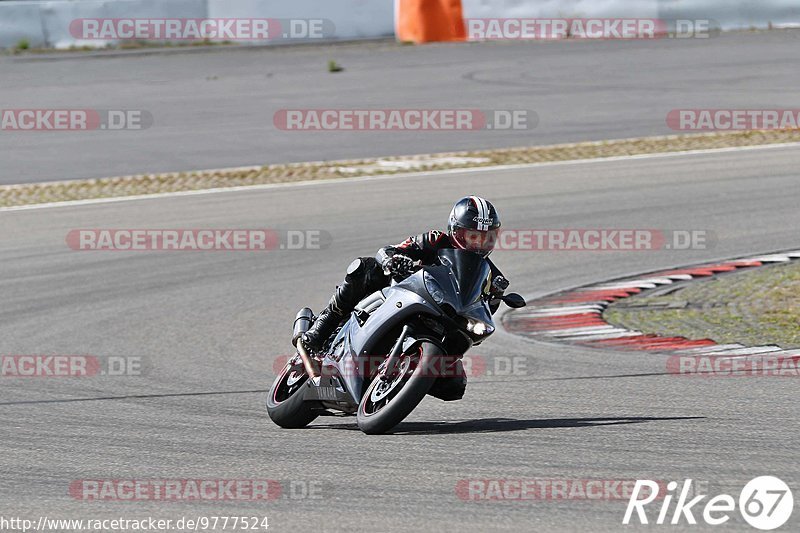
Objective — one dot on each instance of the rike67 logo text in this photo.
(765, 503)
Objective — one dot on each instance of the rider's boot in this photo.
(321, 329)
(364, 275)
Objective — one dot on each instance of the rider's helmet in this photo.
(473, 225)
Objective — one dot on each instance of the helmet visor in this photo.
(472, 240)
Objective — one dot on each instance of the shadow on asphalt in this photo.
(497, 425)
(135, 397)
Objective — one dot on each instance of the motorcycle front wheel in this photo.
(387, 402)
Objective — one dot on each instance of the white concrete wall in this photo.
(20, 20)
(351, 19)
(46, 22)
(735, 14)
(560, 8)
(57, 15)
(730, 14)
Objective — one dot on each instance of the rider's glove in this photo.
(399, 266)
(499, 285)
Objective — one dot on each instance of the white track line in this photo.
(770, 355)
(587, 330)
(777, 258)
(611, 336)
(750, 350)
(566, 310)
(560, 313)
(496, 168)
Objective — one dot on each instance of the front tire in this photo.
(387, 403)
(285, 404)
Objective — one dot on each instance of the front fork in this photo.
(394, 355)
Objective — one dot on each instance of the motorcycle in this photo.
(421, 326)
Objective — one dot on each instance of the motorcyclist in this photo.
(472, 226)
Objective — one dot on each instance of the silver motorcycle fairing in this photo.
(354, 343)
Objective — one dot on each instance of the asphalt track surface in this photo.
(210, 324)
(214, 108)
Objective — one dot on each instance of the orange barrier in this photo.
(424, 21)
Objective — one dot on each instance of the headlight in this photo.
(433, 288)
(476, 327)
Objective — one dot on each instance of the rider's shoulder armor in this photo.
(436, 239)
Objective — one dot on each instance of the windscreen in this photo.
(470, 272)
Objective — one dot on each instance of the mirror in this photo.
(514, 300)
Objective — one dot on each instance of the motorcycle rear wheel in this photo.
(285, 404)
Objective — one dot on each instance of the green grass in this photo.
(758, 306)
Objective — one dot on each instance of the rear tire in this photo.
(285, 403)
(378, 415)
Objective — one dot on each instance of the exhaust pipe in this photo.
(302, 323)
(311, 370)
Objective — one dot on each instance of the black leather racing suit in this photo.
(365, 275)
(425, 248)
